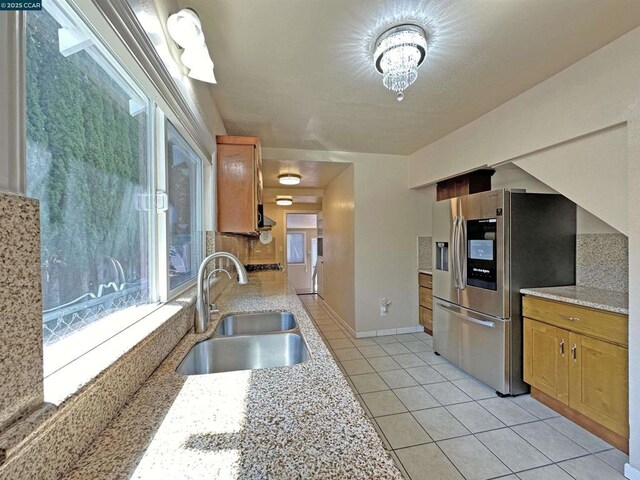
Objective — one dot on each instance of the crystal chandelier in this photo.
(398, 53)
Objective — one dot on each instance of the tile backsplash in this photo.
(424, 253)
(602, 261)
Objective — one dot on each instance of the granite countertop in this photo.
(301, 421)
(427, 272)
(609, 300)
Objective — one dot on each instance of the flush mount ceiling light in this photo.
(186, 30)
(289, 179)
(284, 201)
(398, 53)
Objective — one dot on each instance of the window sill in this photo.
(81, 372)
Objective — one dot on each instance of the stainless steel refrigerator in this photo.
(487, 246)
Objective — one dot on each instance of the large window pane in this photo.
(184, 176)
(87, 163)
(295, 247)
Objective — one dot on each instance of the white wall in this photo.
(507, 176)
(634, 295)
(339, 288)
(591, 171)
(593, 94)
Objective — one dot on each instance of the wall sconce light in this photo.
(186, 30)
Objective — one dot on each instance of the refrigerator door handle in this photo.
(462, 257)
(454, 269)
(470, 318)
(454, 251)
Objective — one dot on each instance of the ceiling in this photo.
(315, 177)
(314, 174)
(298, 73)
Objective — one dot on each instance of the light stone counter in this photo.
(608, 300)
(301, 421)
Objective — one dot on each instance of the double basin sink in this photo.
(248, 342)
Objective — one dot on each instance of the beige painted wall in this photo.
(339, 246)
(385, 252)
(384, 233)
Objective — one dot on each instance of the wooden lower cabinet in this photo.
(583, 377)
(598, 373)
(546, 359)
(425, 302)
(426, 319)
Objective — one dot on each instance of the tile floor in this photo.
(439, 423)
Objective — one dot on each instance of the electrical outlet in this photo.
(384, 306)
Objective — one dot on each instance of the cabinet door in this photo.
(426, 297)
(599, 388)
(546, 359)
(426, 318)
(236, 182)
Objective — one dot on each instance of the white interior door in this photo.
(299, 260)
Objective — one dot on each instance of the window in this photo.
(91, 163)
(184, 176)
(295, 247)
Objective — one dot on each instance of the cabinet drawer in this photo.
(426, 318)
(608, 326)
(425, 280)
(426, 299)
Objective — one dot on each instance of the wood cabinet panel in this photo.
(426, 318)
(473, 182)
(599, 388)
(546, 359)
(425, 280)
(239, 184)
(607, 326)
(426, 298)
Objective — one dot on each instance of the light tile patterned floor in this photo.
(437, 422)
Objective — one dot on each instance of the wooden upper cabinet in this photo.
(473, 182)
(239, 183)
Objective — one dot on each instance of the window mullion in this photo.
(162, 274)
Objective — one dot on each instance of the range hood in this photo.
(264, 222)
(268, 222)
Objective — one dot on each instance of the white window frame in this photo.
(158, 113)
(162, 168)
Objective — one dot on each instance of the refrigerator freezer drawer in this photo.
(476, 343)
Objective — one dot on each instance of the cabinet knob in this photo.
(562, 347)
(573, 351)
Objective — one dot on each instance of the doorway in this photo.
(302, 250)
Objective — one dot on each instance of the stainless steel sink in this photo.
(256, 323)
(244, 353)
